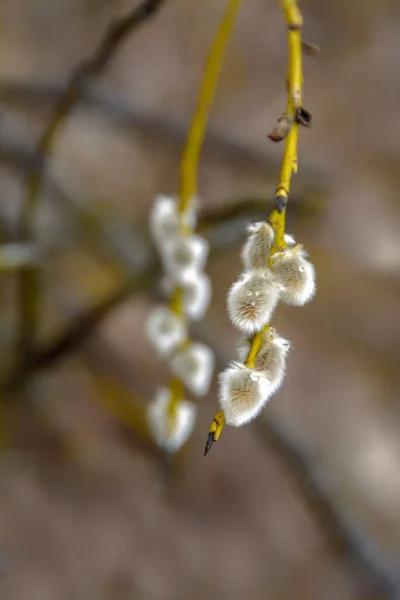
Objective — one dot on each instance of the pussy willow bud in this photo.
(242, 393)
(289, 239)
(164, 219)
(196, 294)
(295, 274)
(257, 249)
(170, 433)
(185, 256)
(252, 300)
(271, 358)
(194, 366)
(165, 330)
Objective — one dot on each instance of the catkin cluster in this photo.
(183, 254)
(268, 277)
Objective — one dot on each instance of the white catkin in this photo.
(295, 274)
(271, 358)
(289, 239)
(194, 366)
(164, 222)
(257, 249)
(196, 296)
(185, 256)
(196, 292)
(243, 393)
(158, 421)
(165, 330)
(252, 300)
(164, 219)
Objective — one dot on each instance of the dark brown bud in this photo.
(303, 117)
(309, 48)
(281, 129)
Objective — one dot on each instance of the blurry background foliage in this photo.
(303, 503)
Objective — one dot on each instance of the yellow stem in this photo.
(176, 388)
(191, 154)
(277, 217)
(289, 166)
(255, 347)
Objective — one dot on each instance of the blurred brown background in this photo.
(303, 504)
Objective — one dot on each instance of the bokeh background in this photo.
(304, 503)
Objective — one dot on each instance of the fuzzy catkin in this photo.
(252, 300)
(257, 249)
(167, 438)
(164, 219)
(295, 274)
(194, 366)
(165, 330)
(271, 358)
(196, 294)
(242, 393)
(185, 256)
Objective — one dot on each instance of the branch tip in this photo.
(209, 443)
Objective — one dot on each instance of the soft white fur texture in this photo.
(257, 249)
(252, 300)
(158, 419)
(271, 358)
(165, 330)
(194, 365)
(242, 393)
(295, 274)
(164, 219)
(185, 256)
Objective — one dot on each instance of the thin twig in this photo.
(189, 166)
(114, 36)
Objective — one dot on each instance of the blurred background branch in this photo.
(29, 282)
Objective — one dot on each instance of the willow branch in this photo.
(294, 116)
(191, 156)
(115, 35)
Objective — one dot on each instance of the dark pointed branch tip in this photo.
(209, 443)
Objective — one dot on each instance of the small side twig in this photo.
(115, 35)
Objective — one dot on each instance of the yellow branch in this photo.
(289, 166)
(294, 114)
(191, 154)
